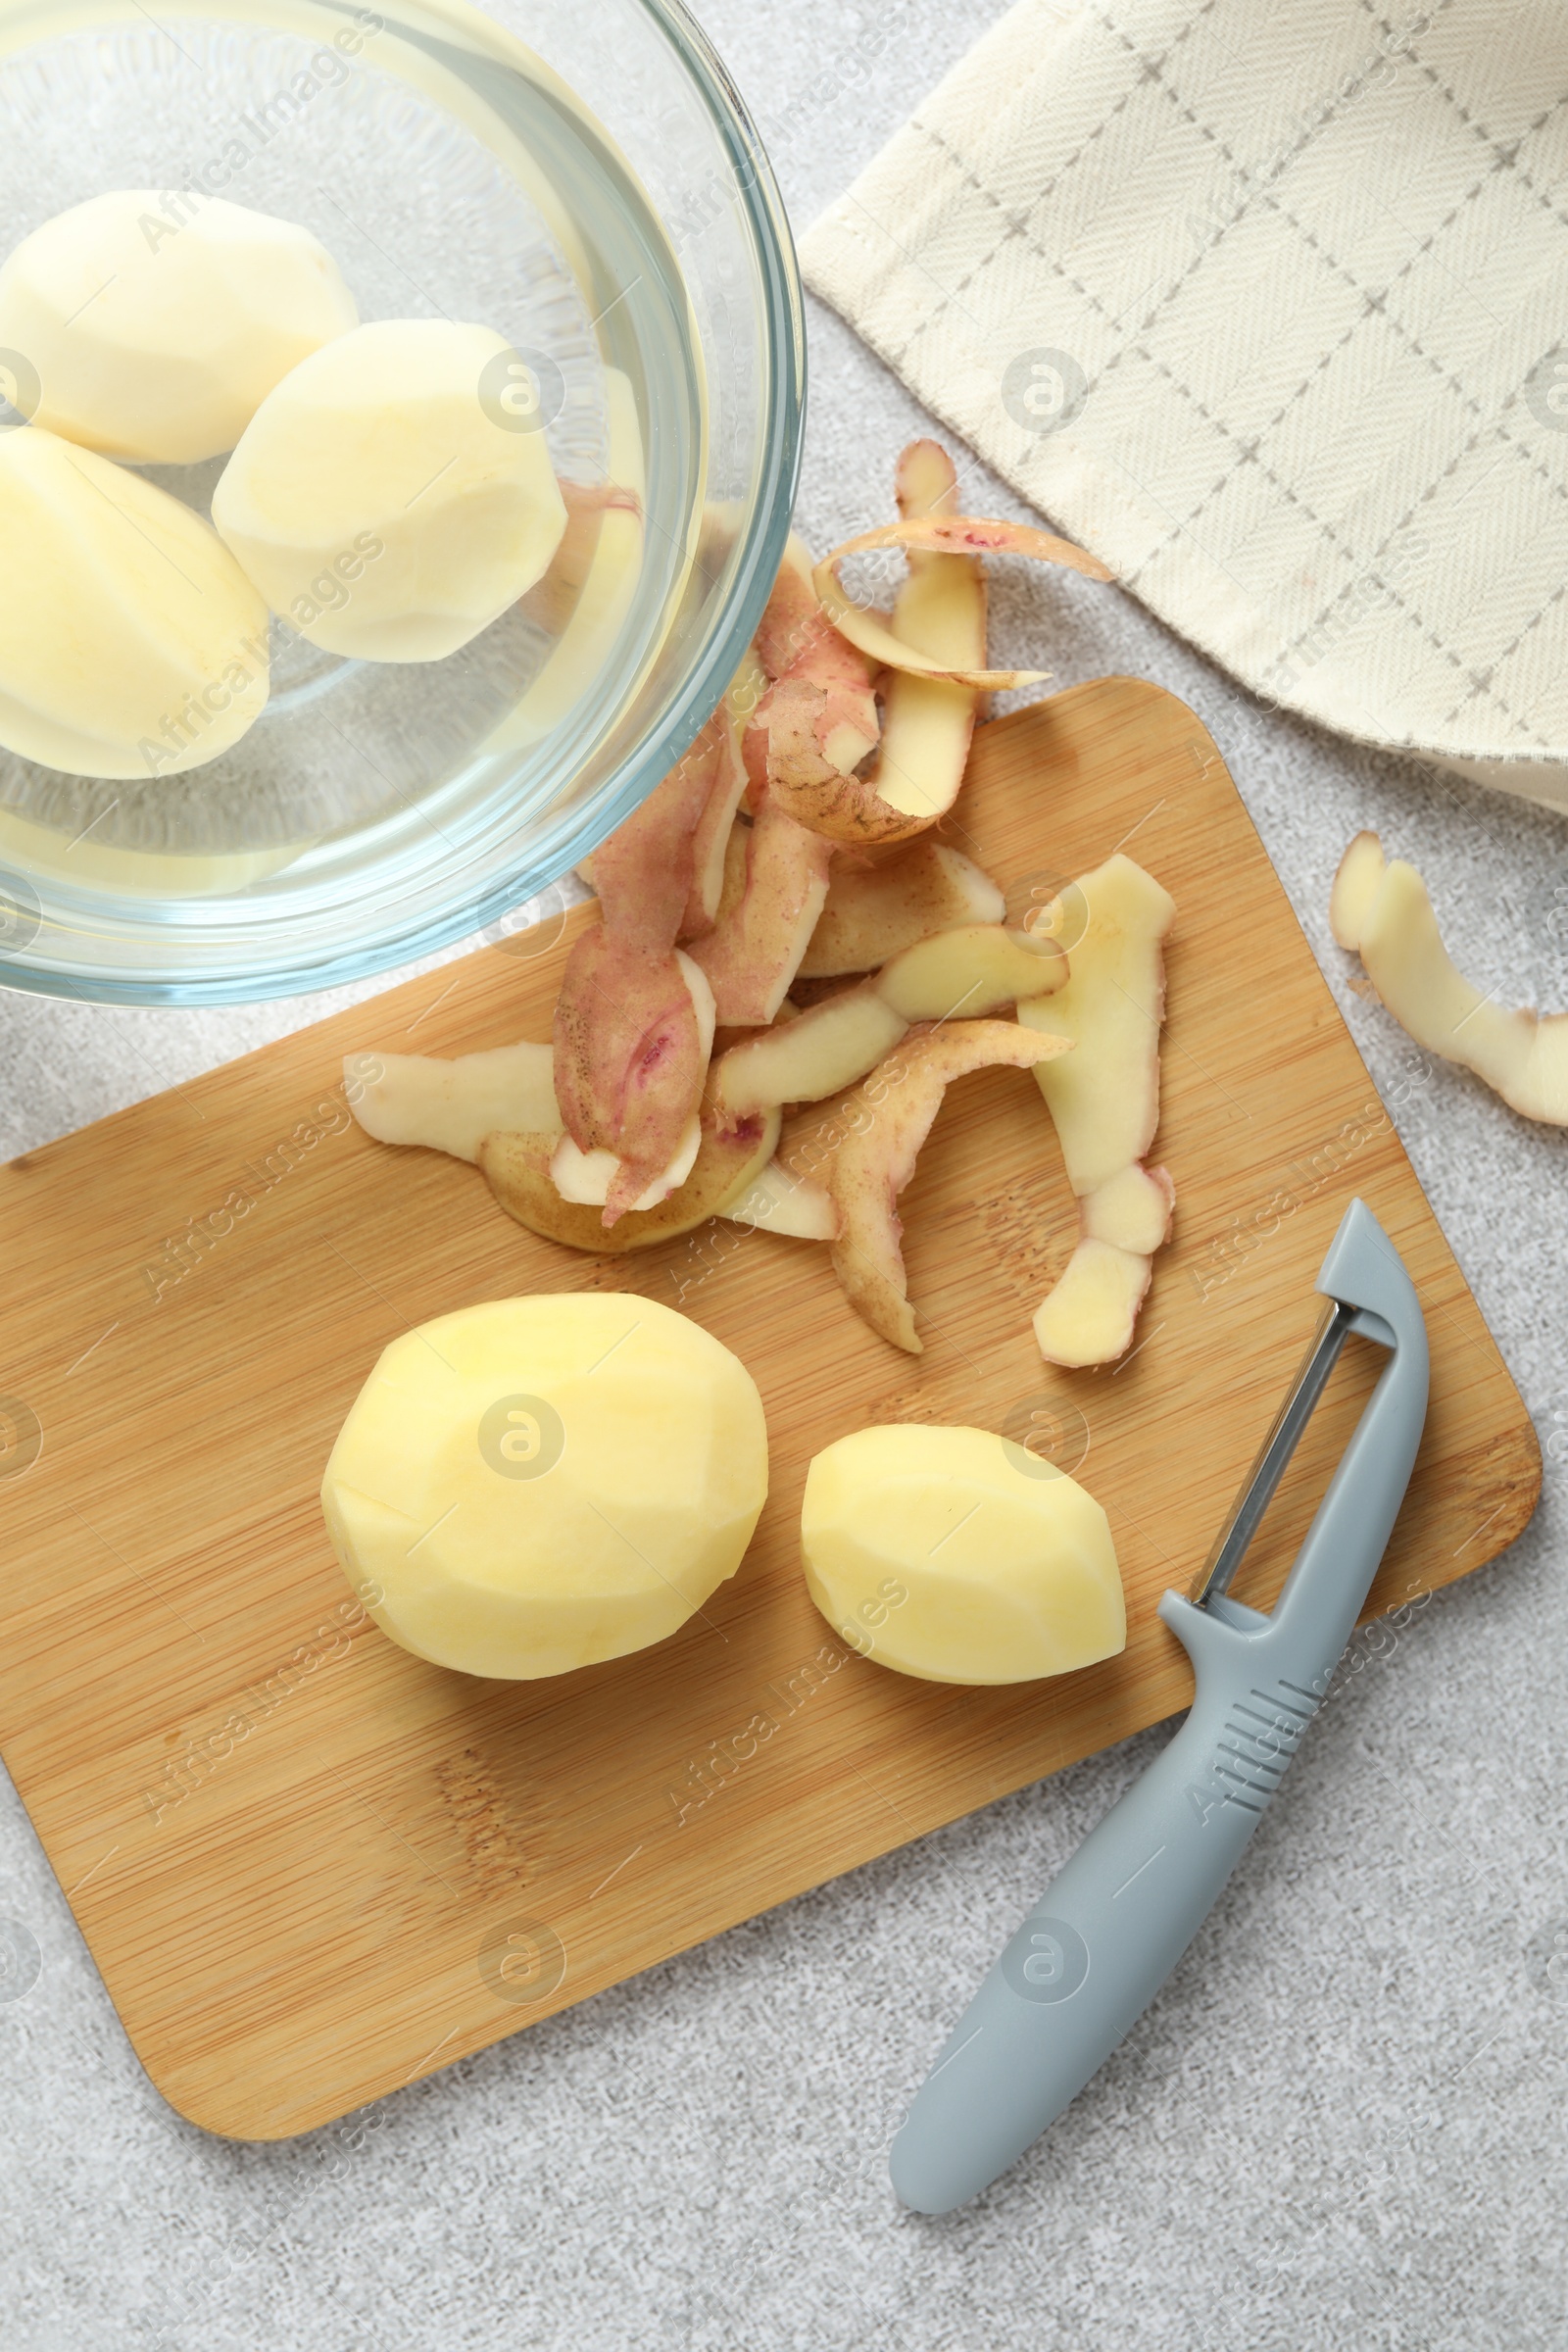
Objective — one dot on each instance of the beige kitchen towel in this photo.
(1266, 302)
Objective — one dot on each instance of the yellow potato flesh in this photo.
(131, 644)
(539, 1483)
(379, 503)
(156, 326)
(1132, 1211)
(929, 725)
(950, 1554)
(1104, 1098)
(1088, 1317)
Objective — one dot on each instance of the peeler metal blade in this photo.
(1273, 1456)
(1098, 1944)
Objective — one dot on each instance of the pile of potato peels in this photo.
(790, 846)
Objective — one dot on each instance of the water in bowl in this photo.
(446, 183)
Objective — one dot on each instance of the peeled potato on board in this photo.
(952, 1555)
(539, 1483)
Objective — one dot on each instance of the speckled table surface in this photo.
(1342, 2124)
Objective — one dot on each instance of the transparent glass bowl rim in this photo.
(780, 436)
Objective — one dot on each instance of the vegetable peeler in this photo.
(1102, 1941)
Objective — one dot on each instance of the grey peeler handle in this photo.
(1097, 1946)
(1118, 1916)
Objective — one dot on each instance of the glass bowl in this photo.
(581, 176)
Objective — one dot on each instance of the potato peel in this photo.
(1381, 911)
(1355, 885)
(630, 1056)
(811, 787)
(889, 1118)
(976, 970)
(1105, 1104)
(822, 1050)
(452, 1106)
(876, 907)
(775, 889)
(553, 599)
(780, 1201)
(819, 718)
(1089, 1314)
(710, 835)
(644, 873)
(927, 722)
(631, 1034)
(950, 535)
(730, 1158)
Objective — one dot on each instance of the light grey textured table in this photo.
(1342, 2125)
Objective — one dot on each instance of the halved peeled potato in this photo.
(951, 1554)
(539, 1483)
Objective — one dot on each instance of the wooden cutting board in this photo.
(312, 1868)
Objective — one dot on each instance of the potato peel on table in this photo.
(645, 871)
(630, 1049)
(977, 970)
(452, 1106)
(1381, 911)
(712, 836)
(818, 714)
(731, 1160)
(879, 903)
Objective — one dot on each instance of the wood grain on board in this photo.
(312, 1868)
